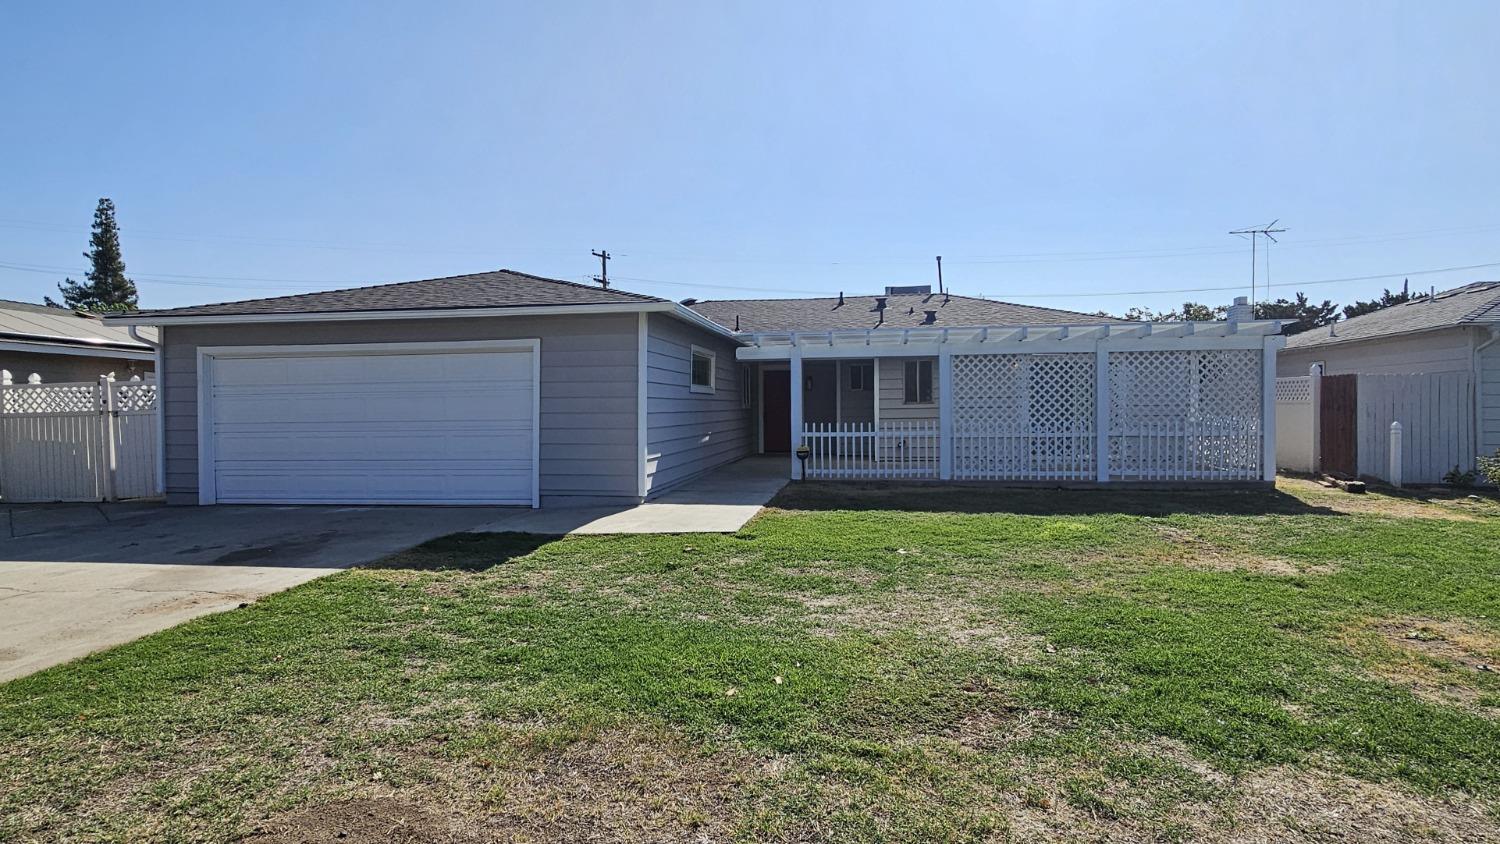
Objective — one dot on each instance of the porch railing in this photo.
(1013, 452)
(853, 450)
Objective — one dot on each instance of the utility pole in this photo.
(603, 276)
(1268, 231)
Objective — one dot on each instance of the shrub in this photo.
(1489, 466)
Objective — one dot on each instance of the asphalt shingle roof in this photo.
(1473, 303)
(902, 311)
(498, 289)
(39, 323)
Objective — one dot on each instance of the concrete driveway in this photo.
(75, 579)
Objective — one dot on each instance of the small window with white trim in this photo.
(918, 382)
(703, 370)
(861, 377)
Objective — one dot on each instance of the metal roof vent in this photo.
(880, 303)
(930, 318)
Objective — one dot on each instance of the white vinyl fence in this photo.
(1296, 424)
(1173, 415)
(897, 449)
(1436, 412)
(87, 441)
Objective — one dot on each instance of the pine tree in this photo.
(107, 288)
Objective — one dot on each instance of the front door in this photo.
(776, 410)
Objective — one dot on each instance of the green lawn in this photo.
(1300, 665)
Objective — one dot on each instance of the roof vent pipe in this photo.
(841, 298)
(931, 317)
(880, 303)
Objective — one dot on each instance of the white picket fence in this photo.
(897, 449)
(84, 441)
(998, 451)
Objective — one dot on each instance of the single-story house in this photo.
(509, 388)
(58, 345)
(1454, 332)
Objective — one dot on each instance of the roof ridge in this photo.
(647, 297)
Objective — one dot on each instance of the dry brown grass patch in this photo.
(1430, 504)
(1439, 660)
(1184, 548)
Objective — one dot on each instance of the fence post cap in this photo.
(1395, 427)
(33, 378)
(5, 376)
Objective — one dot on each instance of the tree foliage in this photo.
(1386, 300)
(1189, 312)
(1304, 315)
(106, 287)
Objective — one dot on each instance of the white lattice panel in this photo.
(134, 396)
(1294, 390)
(50, 398)
(1185, 415)
(1023, 417)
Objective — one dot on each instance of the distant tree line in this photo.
(1301, 313)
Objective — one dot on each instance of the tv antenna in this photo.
(1254, 233)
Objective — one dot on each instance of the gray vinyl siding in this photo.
(1489, 398)
(893, 404)
(588, 389)
(1446, 350)
(689, 433)
(61, 369)
(855, 406)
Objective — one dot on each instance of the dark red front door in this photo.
(776, 410)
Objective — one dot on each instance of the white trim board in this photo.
(207, 355)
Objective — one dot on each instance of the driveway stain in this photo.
(256, 554)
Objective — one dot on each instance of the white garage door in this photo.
(360, 424)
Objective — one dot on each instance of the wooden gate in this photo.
(1338, 431)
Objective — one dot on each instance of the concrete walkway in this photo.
(721, 501)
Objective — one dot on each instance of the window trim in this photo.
(865, 372)
(908, 389)
(713, 371)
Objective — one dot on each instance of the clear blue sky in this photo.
(1045, 149)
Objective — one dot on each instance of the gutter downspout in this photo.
(161, 404)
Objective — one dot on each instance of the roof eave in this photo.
(660, 306)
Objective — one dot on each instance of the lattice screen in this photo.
(1294, 390)
(1023, 417)
(50, 398)
(134, 396)
(1185, 415)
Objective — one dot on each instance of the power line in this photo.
(196, 281)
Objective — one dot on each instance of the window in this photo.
(747, 386)
(861, 376)
(918, 382)
(703, 371)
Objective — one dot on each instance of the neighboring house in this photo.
(1455, 331)
(60, 345)
(509, 388)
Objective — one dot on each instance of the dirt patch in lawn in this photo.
(365, 820)
(1433, 504)
(624, 786)
(1440, 660)
(1184, 548)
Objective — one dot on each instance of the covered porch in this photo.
(1184, 402)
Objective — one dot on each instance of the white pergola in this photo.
(1101, 340)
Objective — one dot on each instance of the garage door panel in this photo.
(365, 428)
(376, 484)
(321, 446)
(329, 406)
